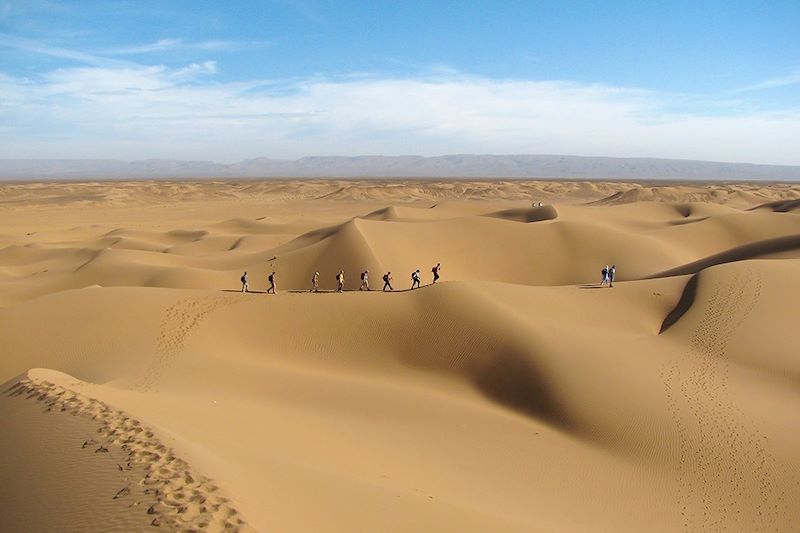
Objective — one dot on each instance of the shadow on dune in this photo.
(780, 206)
(685, 221)
(684, 304)
(513, 381)
(527, 214)
(753, 250)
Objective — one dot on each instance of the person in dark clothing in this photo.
(415, 281)
(387, 281)
(272, 286)
(435, 271)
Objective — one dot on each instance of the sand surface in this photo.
(142, 390)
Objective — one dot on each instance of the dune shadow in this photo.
(780, 206)
(514, 381)
(788, 243)
(684, 304)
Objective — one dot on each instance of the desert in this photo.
(142, 390)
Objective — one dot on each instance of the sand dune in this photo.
(515, 395)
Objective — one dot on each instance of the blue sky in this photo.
(288, 78)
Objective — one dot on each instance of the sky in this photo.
(233, 80)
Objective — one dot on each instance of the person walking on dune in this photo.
(435, 271)
(245, 282)
(315, 282)
(604, 272)
(415, 279)
(387, 281)
(612, 272)
(364, 281)
(340, 281)
(272, 286)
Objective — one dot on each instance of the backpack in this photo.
(604, 272)
(243, 279)
(386, 278)
(362, 275)
(434, 270)
(271, 278)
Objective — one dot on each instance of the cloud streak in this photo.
(172, 45)
(772, 83)
(135, 112)
(36, 47)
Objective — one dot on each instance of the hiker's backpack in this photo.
(242, 279)
(386, 278)
(362, 275)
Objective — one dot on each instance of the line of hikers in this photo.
(416, 280)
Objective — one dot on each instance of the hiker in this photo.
(387, 281)
(245, 283)
(435, 271)
(612, 272)
(315, 282)
(415, 279)
(340, 281)
(604, 272)
(271, 278)
(364, 281)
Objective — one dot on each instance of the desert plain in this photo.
(143, 391)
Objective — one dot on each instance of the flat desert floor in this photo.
(142, 390)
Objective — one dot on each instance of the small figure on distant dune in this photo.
(245, 283)
(340, 281)
(612, 272)
(272, 285)
(364, 281)
(435, 271)
(387, 281)
(604, 272)
(415, 279)
(315, 282)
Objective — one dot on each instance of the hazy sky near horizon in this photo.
(225, 81)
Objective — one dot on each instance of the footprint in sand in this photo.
(183, 502)
(712, 495)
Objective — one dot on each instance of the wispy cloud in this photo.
(109, 58)
(158, 46)
(195, 69)
(36, 47)
(792, 78)
(169, 45)
(136, 111)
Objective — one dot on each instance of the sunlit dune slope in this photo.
(143, 391)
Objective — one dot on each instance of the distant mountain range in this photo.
(447, 166)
